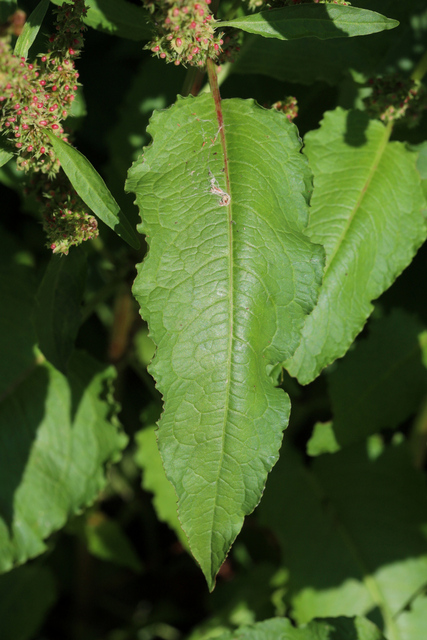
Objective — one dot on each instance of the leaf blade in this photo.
(367, 196)
(92, 189)
(31, 29)
(313, 21)
(205, 290)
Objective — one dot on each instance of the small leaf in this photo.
(5, 156)
(106, 540)
(58, 316)
(368, 210)
(31, 29)
(92, 189)
(316, 21)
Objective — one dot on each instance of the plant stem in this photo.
(213, 82)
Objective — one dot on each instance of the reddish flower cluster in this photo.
(65, 219)
(185, 32)
(394, 98)
(36, 97)
(289, 106)
(231, 45)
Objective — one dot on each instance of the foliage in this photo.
(231, 247)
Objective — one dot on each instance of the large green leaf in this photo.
(117, 17)
(352, 529)
(92, 189)
(31, 29)
(225, 290)
(368, 209)
(317, 20)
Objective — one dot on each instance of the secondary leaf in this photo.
(321, 21)
(58, 315)
(31, 29)
(368, 210)
(117, 17)
(92, 189)
(344, 532)
(5, 156)
(225, 290)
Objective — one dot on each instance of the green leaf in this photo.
(330, 629)
(31, 29)
(322, 440)
(117, 17)
(92, 189)
(57, 316)
(381, 382)
(56, 436)
(344, 533)
(321, 21)
(26, 595)
(5, 156)
(154, 480)
(368, 210)
(224, 290)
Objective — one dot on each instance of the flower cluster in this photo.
(66, 221)
(289, 107)
(394, 98)
(185, 32)
(36, 97)
(232, 39)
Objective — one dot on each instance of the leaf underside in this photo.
(225, 290)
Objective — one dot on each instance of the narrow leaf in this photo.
(321, 21)
(92, 189)
(58, 310)
(31, 29)
(227, 283)
(368, 209)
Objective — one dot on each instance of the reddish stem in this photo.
(213, 82)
